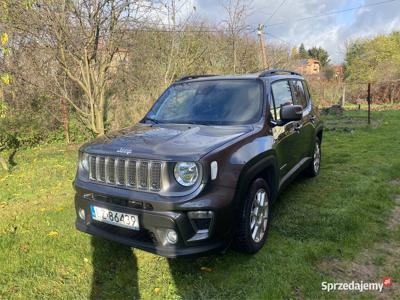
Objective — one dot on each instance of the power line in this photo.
(276, 10)
(332, 13)
(278, 38)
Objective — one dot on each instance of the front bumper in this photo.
(157, 215)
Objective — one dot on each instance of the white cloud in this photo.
(330, 32)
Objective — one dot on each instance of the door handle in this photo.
(297, 127)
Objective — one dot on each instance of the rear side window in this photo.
(282, 95)
(299, 93)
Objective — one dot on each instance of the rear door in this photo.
(305, 127)
(286, 137)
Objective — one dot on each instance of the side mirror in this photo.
(291, 113)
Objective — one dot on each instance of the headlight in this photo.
(186, 173)
(84, 162)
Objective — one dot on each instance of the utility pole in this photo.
(260, 33)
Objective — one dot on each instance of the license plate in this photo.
(114, 217)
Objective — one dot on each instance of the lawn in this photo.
(340, 226)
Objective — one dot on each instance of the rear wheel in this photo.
(315, 164)
(254, 218)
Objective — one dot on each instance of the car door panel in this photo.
(305, 126)
(286, 137)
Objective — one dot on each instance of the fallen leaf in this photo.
(24, 248)
(157, 290)
(42, 209)
(52, 233)
(206, 269)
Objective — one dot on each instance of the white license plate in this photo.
(115, 218)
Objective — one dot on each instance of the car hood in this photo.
(165, 142)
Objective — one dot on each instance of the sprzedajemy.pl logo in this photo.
(356, 286)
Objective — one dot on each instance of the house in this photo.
(308, 66)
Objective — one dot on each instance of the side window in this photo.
(299, 93)
(282, 95)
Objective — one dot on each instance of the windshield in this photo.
(215, 102)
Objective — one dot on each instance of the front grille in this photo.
(131, 173)
(111, 170)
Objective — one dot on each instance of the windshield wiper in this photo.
(194, 123)
(155, 121)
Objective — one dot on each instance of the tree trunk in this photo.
(344, 95)
(391, 94)
(65, 118)
(234, 55)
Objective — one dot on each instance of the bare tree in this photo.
(85, 38)
(182, 34)
(237, 12)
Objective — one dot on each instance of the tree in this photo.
(85, 38)
(182, 48)
(237, 12)
(319, 54)
(373, 59)
(294, 53)
(303, 52)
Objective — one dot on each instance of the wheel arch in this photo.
(266, 168)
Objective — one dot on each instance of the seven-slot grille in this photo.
(131, 173)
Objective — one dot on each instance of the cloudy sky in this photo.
(331, 31)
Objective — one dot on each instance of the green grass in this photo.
(336, 216)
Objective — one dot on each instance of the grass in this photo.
(318, 224)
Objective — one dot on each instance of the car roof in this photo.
(269, 74)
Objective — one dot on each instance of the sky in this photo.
(330, 32)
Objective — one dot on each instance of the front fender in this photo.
(264, 166)
(240, 163)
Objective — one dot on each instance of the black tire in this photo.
(243, 240)
(314, 168)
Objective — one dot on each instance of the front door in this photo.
(286, 137)
(306, 127)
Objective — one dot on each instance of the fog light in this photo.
(81, 213)
(171, 236)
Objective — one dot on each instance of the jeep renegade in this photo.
(202, 168)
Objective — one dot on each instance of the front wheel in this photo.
(254, 218)
(315, 164)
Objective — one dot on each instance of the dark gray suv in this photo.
(202, 168)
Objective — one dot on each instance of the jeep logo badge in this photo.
(124, 151)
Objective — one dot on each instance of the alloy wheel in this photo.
(259, 215)
(317, 157)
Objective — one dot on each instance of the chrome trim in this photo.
(139, 163)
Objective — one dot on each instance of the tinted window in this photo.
(282, 95)
(299, 93)
(210, 102)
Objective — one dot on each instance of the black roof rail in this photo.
(194, 77)
(277, 72)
